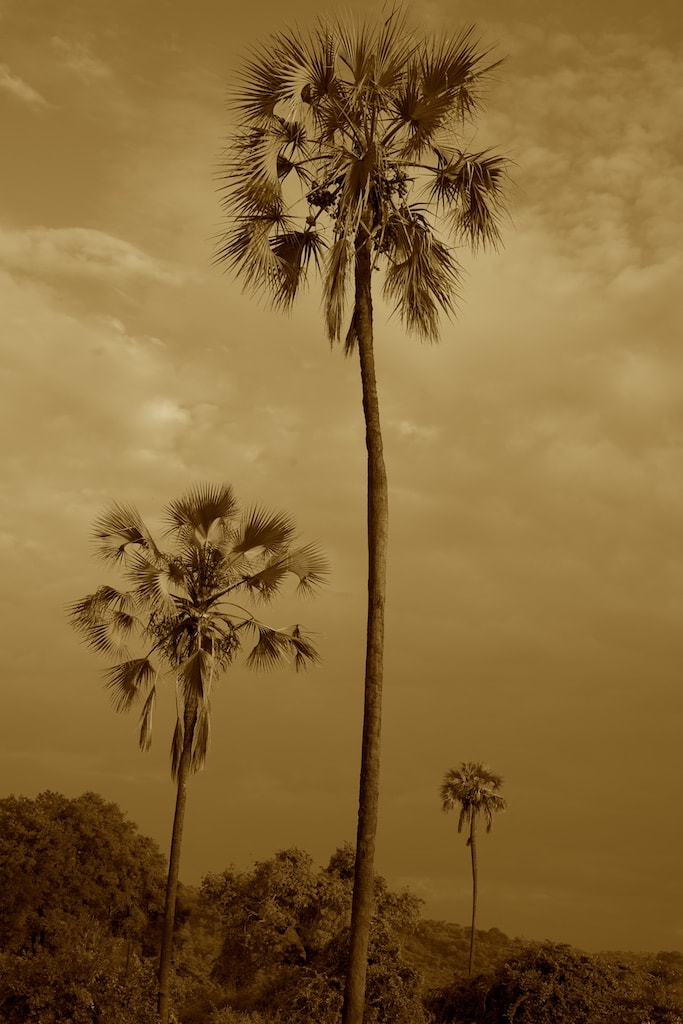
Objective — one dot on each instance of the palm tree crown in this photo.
(353, 138)
(182, 606)
(474, 788)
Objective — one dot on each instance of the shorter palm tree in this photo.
(181, 606)
(474, 788)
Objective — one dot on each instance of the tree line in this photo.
(81, 910)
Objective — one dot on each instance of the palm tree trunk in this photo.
(378, 514)
(166, 952)
(473, 853)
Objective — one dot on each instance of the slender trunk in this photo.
(368, 800)
(473, 853)
(166, 952)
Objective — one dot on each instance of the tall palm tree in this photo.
(346, 157)
(181, 606)
(474, 788)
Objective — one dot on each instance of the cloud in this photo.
(77, 252)
(78, 58)
(20, 89)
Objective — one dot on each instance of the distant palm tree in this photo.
(347, 156)
(474, 788)
(181, 607)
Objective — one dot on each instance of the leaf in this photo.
(306, 653)
(271, 650)
(118, 528)
(204, 513)
(262, 529)
(423, 277)
(154, 583)
(129, 680)
(105, 620)
(294, 251)
(310, 565)
(196, 674)
(469, 187)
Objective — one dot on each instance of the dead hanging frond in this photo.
(146, 719)
(337, 284)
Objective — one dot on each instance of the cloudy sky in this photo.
(534, 455)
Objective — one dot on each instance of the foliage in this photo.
(352, 137)
(94, 980)
(440, 951)
(183, 605)
(556, 984)
(286, 932)
(71, 867)
(81, 893)
(474, 788)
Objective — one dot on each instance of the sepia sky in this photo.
(535, 459)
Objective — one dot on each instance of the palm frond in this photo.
(272, 648)
(128, 681)
(252, 176)
(204, 513)
(105, 620)
(469, 187)
(305, 650)
(394, 48)
(276, 646)
(257, 160)
(260, 89)
(311, 567)
(453, 68)
(356, 171)
(262, 529)
(245, 247)
(421, 114)
(266, 582)
(154, 583)
(294, 251)
(355, 49)
(307, 563)
(119, 528)
(423, 277)
(195, 677)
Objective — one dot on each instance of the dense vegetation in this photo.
(81, 901)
